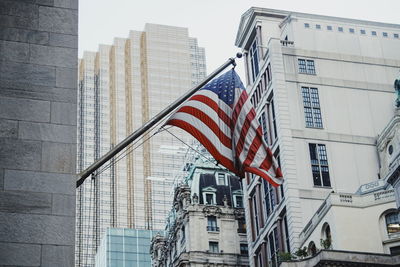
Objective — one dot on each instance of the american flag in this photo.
(221, 117)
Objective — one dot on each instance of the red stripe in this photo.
(255, 145)
(262, 174)
(228, 163)
(225, 140)
(238, 107)
(212, 104)
(245, 128)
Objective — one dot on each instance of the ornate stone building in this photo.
(206, 226)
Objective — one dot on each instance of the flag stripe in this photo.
(228, 163)
(212, 104)
(226, 141)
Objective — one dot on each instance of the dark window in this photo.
(351, 30)
(255, 210)
(312, 109)
(244, 249)
(329, 28)
(209, 199)
(254, 59)
(306, 25)
(396, 35)
(392, 222)
(319, 165)
(239, 201)
(373, 33)
(213, 247)
(302, 65)
(362, 31)
(395, 250)
(287, 240)
(241, 225)
(263, 122)
(212, 224)
(273, 248)
(384, 34)
(318, 27)
(269, 197)
(340, 29)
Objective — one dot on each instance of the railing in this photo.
(213, 228)
(287, 43)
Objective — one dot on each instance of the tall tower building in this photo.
(323, 91)
(122, 86)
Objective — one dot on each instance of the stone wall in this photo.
(38, 94)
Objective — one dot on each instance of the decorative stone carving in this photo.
(195, 199)
(239, 213)
(225, 201)
(212, 211)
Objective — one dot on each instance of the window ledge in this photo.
(322, 187)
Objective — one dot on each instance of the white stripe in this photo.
(271, 175)
(206, 131)
(212, 114)
(222, 105)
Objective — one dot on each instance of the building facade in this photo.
(38, 66)
(122, 86)
(206, 226)
(124, 247)
(323, 91)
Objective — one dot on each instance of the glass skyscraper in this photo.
(122, 247)
(121, 86)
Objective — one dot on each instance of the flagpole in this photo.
(145, 127)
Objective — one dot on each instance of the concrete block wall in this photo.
(38, 94)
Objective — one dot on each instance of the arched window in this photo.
(326, 237)
(392, 223)
(312, 249)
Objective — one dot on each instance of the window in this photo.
(392, 223)
(329, 28)
(396, 35)
(318, 27)
(241, 225)
(238, 201)
(263, 122)
(255, 211)
(306, 66)
(222, 178)
(395, 250)
(319, 165)
(351, 30)
(270, 198)
(340, 29)
(254, 59)
(362, 31)
(312, 109)
(273, 246)
(306, 25)
(373, 33)
(183, 235)
(209, 198)
(212, 224)
(384, 34)
(213, 247)
(244, 250)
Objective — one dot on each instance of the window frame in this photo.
(212, 224)
(213, 246)
(312, 107)
(318, 164)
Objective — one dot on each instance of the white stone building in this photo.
(122, 86)
(206, 226)
(323, 91)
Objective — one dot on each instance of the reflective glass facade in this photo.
(125, 248)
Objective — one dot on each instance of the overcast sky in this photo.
(213, 22)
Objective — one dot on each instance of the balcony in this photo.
(287, 43)
(212, 228)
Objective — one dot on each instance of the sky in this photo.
(213, 22)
